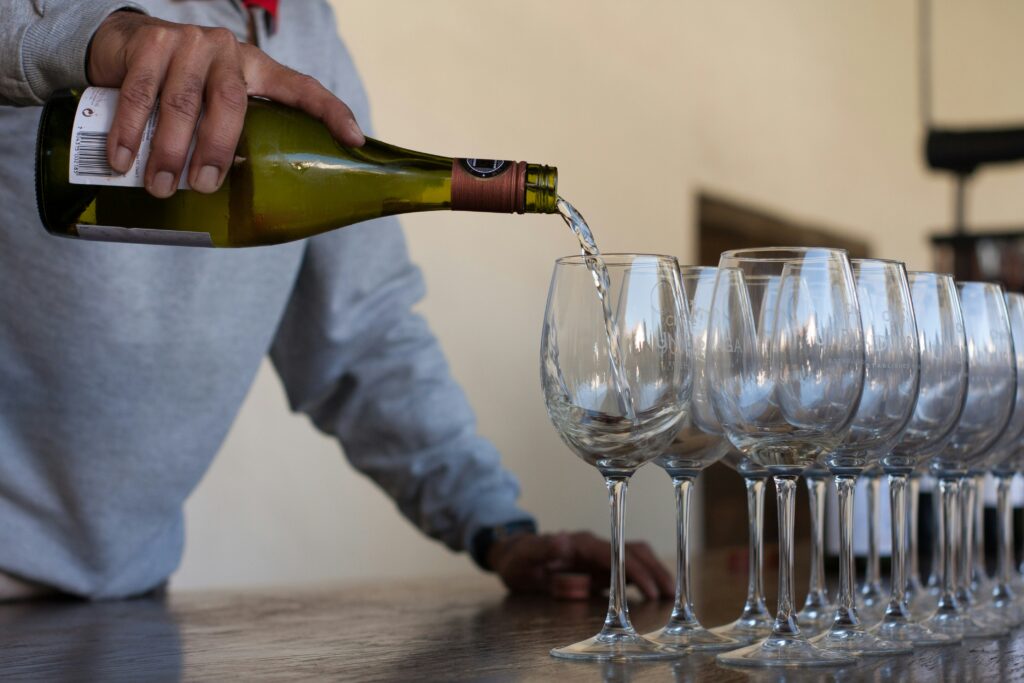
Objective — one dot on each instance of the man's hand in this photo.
(188, 67)
(526, 563)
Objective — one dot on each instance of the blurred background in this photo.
(678, 127)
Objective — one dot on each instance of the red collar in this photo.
(270, 6)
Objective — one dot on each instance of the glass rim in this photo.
(696, 270)
(887, 261)
(986, 283)
(748, 253)
(613, 259)
(929, 273)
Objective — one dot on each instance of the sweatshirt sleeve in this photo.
(43, 45)
(355, 357)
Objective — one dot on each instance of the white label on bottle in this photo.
(89, 165)
(174, 238)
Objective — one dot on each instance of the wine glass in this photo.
(816, 614)
(615, 368)
(942, 389)
(698, 444)
(1003, 605)
(785, 364)
(755, 621)
(891, 371)
(991, 392)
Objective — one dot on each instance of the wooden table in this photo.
(456, 629)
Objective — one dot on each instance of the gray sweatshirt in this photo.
(123, 366)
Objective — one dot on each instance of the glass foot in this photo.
(1006, 612)
(746, 630)
(692, 638)
(816, 619)
(871, 610)
(916, 634)
(923, 604)
(964, 625)
(616, 647)
(858, 642)
(784, 651)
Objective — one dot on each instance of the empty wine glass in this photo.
(891, 367)
(942, 389)
(818, 610)
(991, 392)
(785, 363)
(698, 444)
(755, 621)
(1003, 605)
(616, 413)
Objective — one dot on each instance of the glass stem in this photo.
(1003, 593)
(817, 594)
(617, 620)
(913, 499)
(682, 611)
(947, 531)
(898, 610)
(978, 571)
(785, 488)
(938, 539)
(755, 604)
(966, 547)
(846, 614)
(874, 568)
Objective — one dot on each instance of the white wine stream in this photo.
(596, 265)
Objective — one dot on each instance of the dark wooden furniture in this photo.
(463, 628)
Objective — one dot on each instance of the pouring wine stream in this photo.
(596, 265)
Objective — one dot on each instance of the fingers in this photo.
(220, 128)
(643, 568)
(639, 574)
(139, 92)
(663, 580)
(267, 78)
(181, 102)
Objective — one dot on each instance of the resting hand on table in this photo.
(526, 563)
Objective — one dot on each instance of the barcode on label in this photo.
(91, 155)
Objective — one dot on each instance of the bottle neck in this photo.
(503, 186)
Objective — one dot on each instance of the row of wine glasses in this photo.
(789, 362)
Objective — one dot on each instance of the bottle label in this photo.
(485, 168)
(174, 238)
(93, 119)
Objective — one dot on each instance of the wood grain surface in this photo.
(461, 628)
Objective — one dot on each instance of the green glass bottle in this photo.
(290, 180)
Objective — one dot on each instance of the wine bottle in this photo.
(290, 180)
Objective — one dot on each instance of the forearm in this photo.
(43, 45)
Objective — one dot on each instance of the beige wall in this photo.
(805, 107)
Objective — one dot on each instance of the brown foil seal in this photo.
(500, 191)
